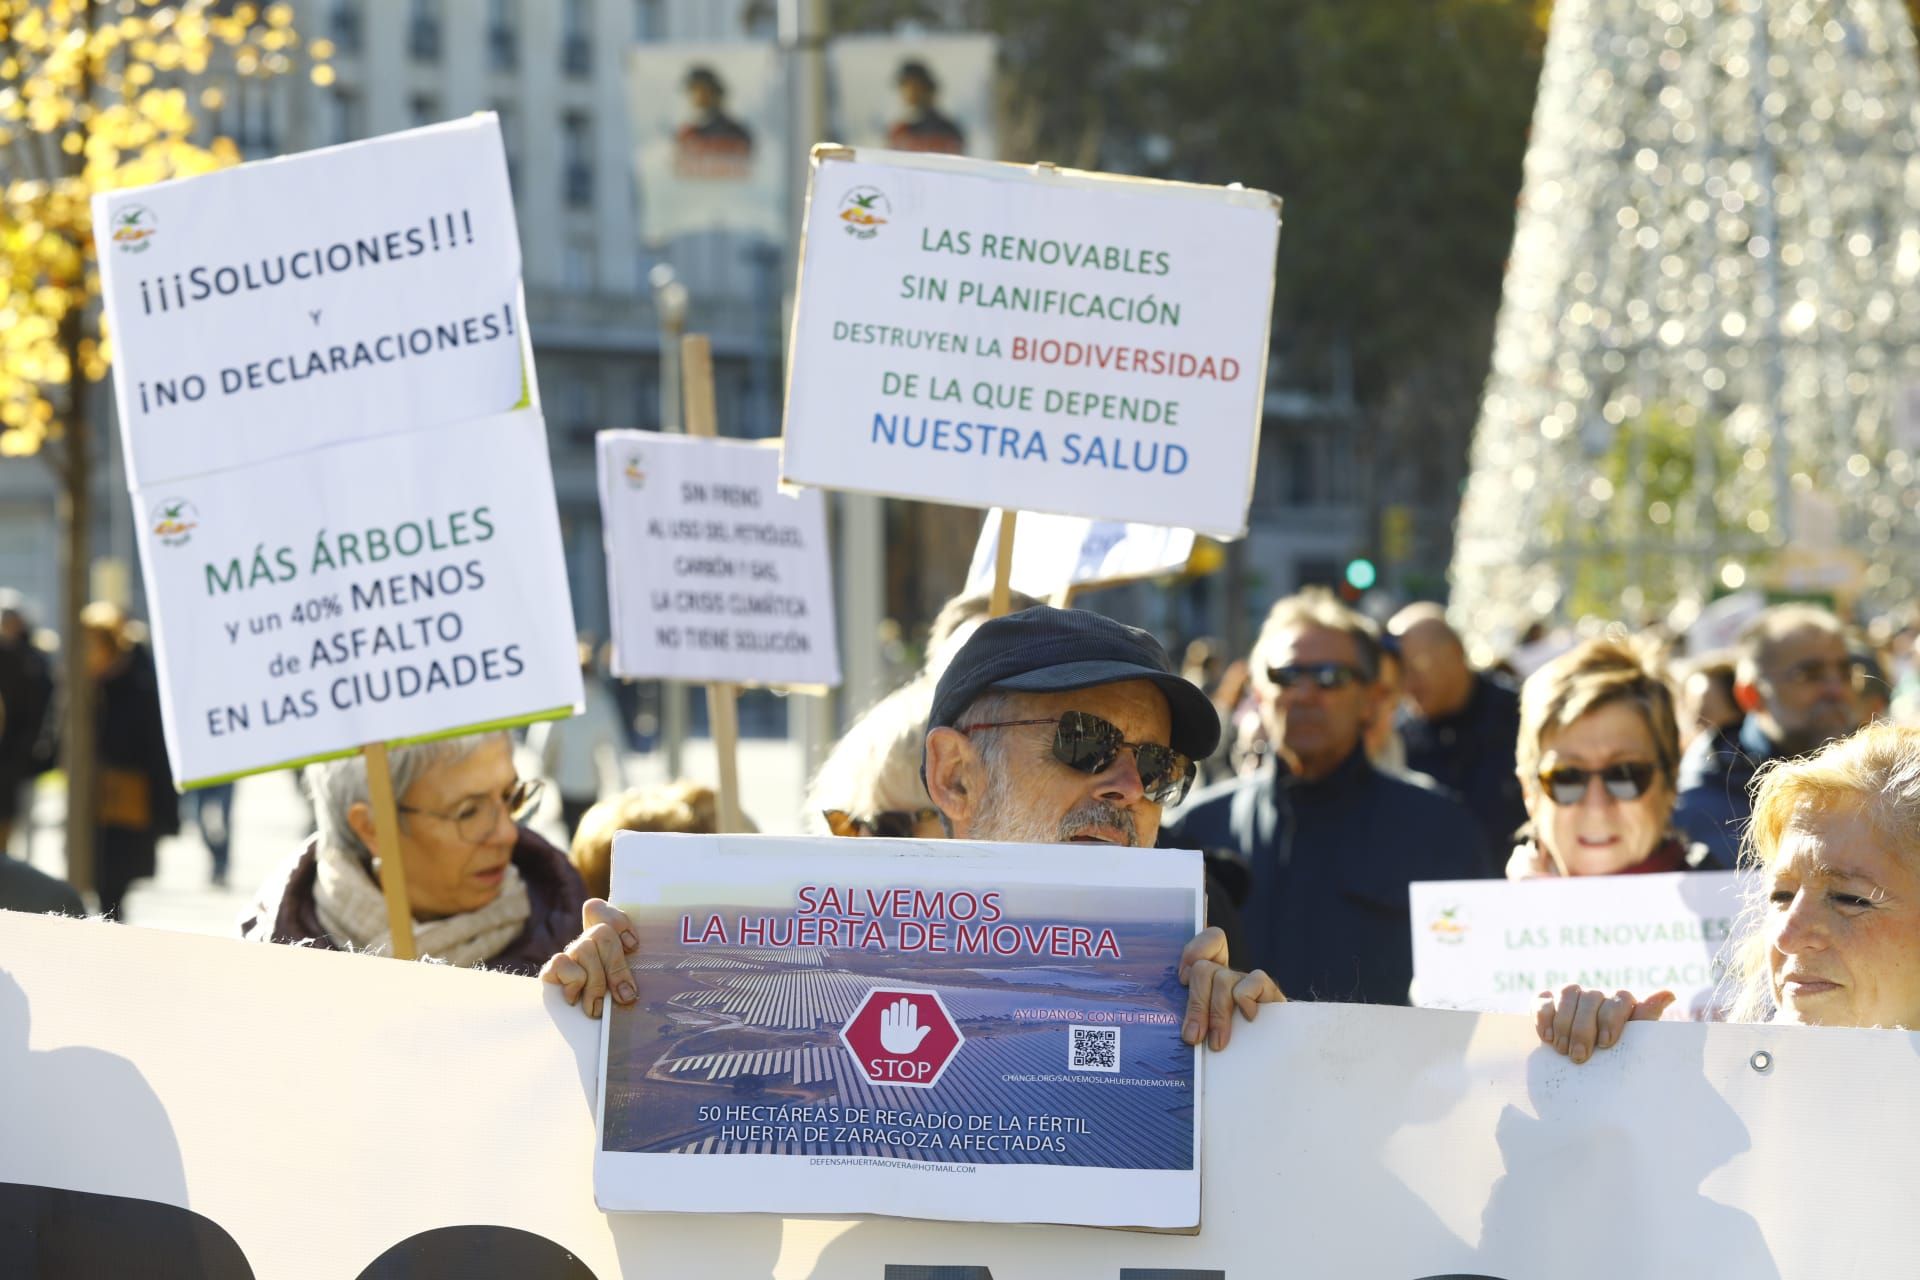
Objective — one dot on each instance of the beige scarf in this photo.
(353, 911)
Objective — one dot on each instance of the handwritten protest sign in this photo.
(329, 296)
(381, 590)
(1475, 1145)
(1495, 945)
(816, 1020)
(1053, 552)
(712, 573)
(1044, 340)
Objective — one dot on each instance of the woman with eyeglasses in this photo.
(1599, 750)
(485, 891)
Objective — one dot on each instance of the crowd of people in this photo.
(1338, 763)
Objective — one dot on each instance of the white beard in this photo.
(1000, 821)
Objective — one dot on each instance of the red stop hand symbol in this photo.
(901, 1037)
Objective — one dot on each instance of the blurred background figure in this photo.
(26, 700)
(1598, 758)
(680, 807)
(581, 754)
(1459, 726)
(212, 809)
(135, 804)
(1706, 703)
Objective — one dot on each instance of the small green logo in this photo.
(134, 228)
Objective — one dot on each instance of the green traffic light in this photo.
(1361, 575)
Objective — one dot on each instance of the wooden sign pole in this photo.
(723, 708)
(393, 867)
(1001, 602)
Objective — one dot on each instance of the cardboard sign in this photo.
(392, 588)
(709, 139)
(1045, 340)
(935, 1030)
(712, 573)
(336, 295)
(1337, 1140)
(1051, 552)
(1495, 944)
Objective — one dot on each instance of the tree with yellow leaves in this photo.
(96, 95)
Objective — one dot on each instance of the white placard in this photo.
(1405, 1142)
(384, 589)
(709, 135)
(931, 1029)
(335, 295)
(987, 334)
(1494, 945)
(929, 93)
(712, 573)
(1051, 552)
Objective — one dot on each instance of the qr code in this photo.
(1093, 1048)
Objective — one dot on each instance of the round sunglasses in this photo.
(1627, 780)
(1087, 744)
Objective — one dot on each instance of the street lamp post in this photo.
(670, 303)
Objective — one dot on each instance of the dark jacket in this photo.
(1471, 753)
(23, 888)
(1327, 865)
(554, 891)
(1716, 779)
(132, 740)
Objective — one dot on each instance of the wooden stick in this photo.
(1001, 602)
(723, 707)
(393, 867)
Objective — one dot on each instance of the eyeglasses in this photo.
(1087, 744)
(886, 823)
(1322, 675)
(1846, 671)
(475, 817)
(1628, 780)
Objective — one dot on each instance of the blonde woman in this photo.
(1832, 933)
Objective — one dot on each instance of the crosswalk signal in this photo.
(1361, 575)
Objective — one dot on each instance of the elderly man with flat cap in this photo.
(1050, 726)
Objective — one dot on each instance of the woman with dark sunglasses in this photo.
(1599, 749)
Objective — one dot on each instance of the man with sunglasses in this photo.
(1799, 689)
(1048, 726)
(1328, 842)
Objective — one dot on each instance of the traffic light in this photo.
(1361, 575)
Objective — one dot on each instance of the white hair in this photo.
(337, 785)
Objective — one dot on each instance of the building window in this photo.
(509, 136)
(424, 108)
(646, 392)
(343, 24)
(577, 407)
(423, 31)
(576, 158)
(253, 130)
(503, 36)
(1300, 473)
(346, 116)
(576, 266)
(648, 22)
(576, 44)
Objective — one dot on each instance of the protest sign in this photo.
(1056, 552)
(387, 589)
(815, 1019)
(712, 572)
(709, 129)
(336, 295)
(1039, 339)
(1405, 1143)
(1494, 945)
(931, 93)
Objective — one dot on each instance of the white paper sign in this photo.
(384, 589)
(1051, 552)
(1405, 1143)
(709, 134)
(713, 574)
(943, 1029)
(986, 334)
(1495, 945)
(335, 295)
(931, 93)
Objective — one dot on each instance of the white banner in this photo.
(336, 295)
(322, 1109)
(983, 334)
(712, 572)
(931, 93)
(709, 136)
(1051, 552)
(983, 1032)
(1496, 944)
(385, 589)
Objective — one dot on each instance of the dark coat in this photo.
(23, 888)
(26, 697)
(1472, 754)
(1716, 782)
(1328, 864)
(554, 892)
